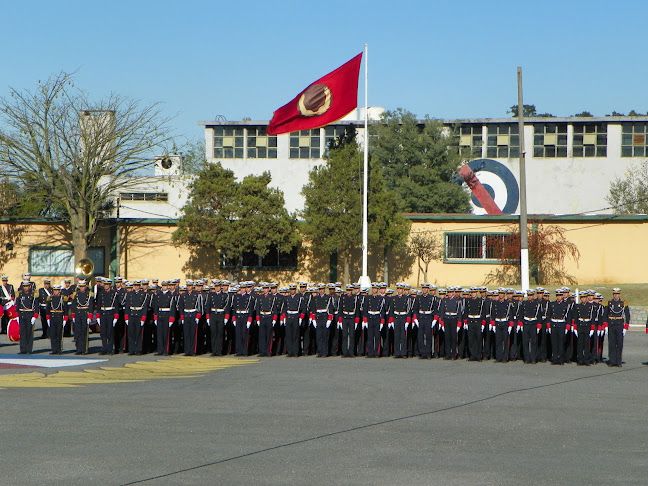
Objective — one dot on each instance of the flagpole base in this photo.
(365, 282)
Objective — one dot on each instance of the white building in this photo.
(570, 162)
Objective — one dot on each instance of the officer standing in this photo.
(349, 318)
(7, 294)
(618, 321)
(529, 318)
(559, 317)
(57, 317)
(136, 308)
(374, 318)
(423, 315)
(107, 316)
(216, 308)
(401, 318)
(27, 306)
(190, 305)
(265, 308)
(82, 310)
(584, 320)
(44, 293)
(474, 319)
(293, 312)
(164, 317)
(502, 314)
(321, 317)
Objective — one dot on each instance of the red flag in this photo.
(326, 100)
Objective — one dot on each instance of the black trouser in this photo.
(450, 338)
(502, 338)
(474, 339)
(348, 336)
(425, 336)
(488, 340)
(216, 330)
(582, 346)
(388, 340)
(412, 340)
(542, 344)
(175, 336)
(373, 336)
(119, 334)
(163, 331)
(601, 342)
(107, 332)
(305, 334)
(252, 338)
(615, 344)
(292, 335)
(515, 343)
(322, 335)
(278, 339)
(190, 331)
(557, 342)
(55, 331)
(400, 337)
(26, 332)
(265, 335)
(43, 316)
(135, 333)
(80, 325)
(530, 341)
(360, 340)
(594, 346)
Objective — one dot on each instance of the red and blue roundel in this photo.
(499, 182)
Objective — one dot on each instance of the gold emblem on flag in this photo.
(316, 100)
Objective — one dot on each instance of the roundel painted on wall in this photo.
(499, 182)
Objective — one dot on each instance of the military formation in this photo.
(217, 317)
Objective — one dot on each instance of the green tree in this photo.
(75, 153)
(584, 114)
(230, 218)
(194, 159)
(333, 206)
(629, 194)
(418, 159)
(527, 111)
(425, 247)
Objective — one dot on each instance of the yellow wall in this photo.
(611, 251)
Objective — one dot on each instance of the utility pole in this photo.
(524, 240)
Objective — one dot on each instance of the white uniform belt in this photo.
(349, 313)
(451, 313)
(616, 317)
(164, 309)
(292, 312)
(474, 316)
(136, 308)
(529, 318)
(501, 319)
(191, 310)
(425, 312)
(266, 313)
(400, 313)
(581, 319)
(321, 310)
(557, 320)
(107, 308)
(217, 310)
(374, 313)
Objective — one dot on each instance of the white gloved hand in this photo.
(89, 321)
(591, 333)
(49, 323)
(33, 321)
(549, 330)
(600, 332)
(623, 333)
(465, 326)
(225, 321)
(566, 331)
(576, 332)
(416, 323)
(314, 323)
(126, 321)
(328, 324)
(234, 322)
(155, 322)
(142, 323)
(482, 328)
(339, 325)
(381, 327)
(114, 322)
(249, 324)
(510, 329)
(434, 322)
(365, 325)
(197, 321)
(274, 321)
(283, 323)
(391, 325)
(605, 331)
(491, 327)
(537, 331)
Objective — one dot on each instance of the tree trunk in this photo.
(79, 229)
(347, 277)
(386, 265)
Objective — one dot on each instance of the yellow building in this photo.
(612, 250)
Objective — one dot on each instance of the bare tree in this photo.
(76, 153)
(426, 247)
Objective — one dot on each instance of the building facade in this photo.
(570, 162)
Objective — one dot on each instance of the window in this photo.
(274, 260)
(470, 140)
(634, 139)
(144, 196)
(503, 141)
(305, 144)
(260, 145)
(228, 143)
(59, 262)
(472, 246)
(331, 133)
(590, 139)
(550, 140)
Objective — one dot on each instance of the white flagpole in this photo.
(365, 281)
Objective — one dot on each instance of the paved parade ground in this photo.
(236, 421)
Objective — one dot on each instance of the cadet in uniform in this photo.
(190, 306)
(349, 318)
(292, 314)
(136, 308)
(107, 316)
(43, 294)
(529, 319)
(7, 294)
(559, 317)
(474, 319)
(164, 317)
(617, 323)
(374, 319)
(57, 317)
(265, 308)
(503, 317)
(584, 321)
(423, 315)
(27, 306)
(82, 310)
(401, 318)
(216, 309)
(321, 316)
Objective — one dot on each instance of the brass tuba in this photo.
(85, 270)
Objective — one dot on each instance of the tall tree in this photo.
(76, 153)
(527, 111)
(333, 206)
(230, 218)
(629, 194)
(418, 159)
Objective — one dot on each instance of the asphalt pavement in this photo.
(325, 421)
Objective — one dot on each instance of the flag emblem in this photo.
(316, 100)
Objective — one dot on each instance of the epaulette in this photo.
(91, 294)
(625, 304)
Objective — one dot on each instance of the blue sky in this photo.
(446, 59)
